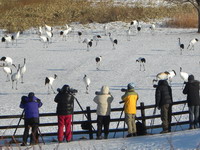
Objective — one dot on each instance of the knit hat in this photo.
(65, 88)
(191, 78)
(131, 86)
(31, 94)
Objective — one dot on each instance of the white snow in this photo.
(70, 60)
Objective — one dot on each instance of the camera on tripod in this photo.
(123, 90)
(68, 90)
(72, 91)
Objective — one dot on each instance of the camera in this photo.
(155, 85)
(69, 90)
(72, 91)
(97, 93)
(100, 93)
(123, 90)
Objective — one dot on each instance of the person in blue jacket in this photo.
(31, 105)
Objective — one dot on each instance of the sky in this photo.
(70, 60)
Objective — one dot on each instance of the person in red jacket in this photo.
(65, 108)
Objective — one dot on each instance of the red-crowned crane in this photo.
(87, 82)
(98, 61)
(114, 41)
(49, 81)
(15, 77)
(23, 70)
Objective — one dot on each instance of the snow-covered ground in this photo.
(70, 60)
(139, 2)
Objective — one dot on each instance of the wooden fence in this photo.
(88, 113)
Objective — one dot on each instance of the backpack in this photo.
(141, 130)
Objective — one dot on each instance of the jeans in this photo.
(194, 116)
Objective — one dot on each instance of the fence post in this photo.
(143, 115)
(90, 122)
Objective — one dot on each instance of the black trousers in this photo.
(34, 124)
(103, 121)
(166, 116)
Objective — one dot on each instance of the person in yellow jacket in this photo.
(130, 102)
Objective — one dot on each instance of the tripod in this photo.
(119, 122)
(21, 117)
(152, 120)
(80, 107)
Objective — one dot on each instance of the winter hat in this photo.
(31, 94)
(105, 89)
(191, 78)
(65, 88)
(131, 86)
(23, 98)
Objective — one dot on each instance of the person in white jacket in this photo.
(103, 99)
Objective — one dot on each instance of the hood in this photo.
(162, 82)
(31, 94)
(131, 86)
(65, 88)
(105, 89)
(190, 78)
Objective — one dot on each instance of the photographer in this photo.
(65, 106)
(193, 100)
(103, 99)
(130, 102)
(164, 100)
(31, 105)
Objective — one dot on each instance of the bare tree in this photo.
(195, 3)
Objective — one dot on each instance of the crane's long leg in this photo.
(22, 81)
(12, 84)
(8, 78)
(113, 46)
(53, 89)
(144, 67)
(87, 89)
(16, 85)
(48, 89)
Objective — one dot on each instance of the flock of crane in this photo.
(16, 76)
(46, 36)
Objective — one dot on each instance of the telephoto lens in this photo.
(155, 86)
(97, 93)
(58, 89)
(71, 90)
(123, 90)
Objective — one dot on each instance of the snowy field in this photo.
(70, 60)
(140, 2)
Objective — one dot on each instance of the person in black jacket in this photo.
(164, 102)
(193, 100)
(65, 106)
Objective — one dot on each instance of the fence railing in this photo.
(88, 113)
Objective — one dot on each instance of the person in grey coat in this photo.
(193, 100)
(103, 99)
